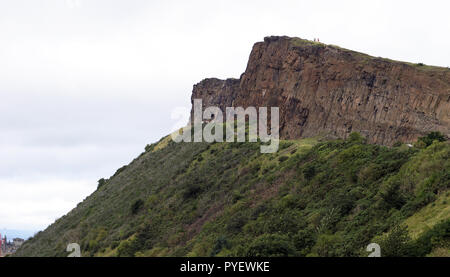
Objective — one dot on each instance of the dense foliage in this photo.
(312, 198)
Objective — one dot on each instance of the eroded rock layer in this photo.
(326, 90)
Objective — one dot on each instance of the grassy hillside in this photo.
(312, 198)
(420, 66)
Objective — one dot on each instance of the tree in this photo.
(327, 245)
(101, 183)
(356, 137)
(137, 205)
(271, 245)
(220, 244)
(428, 139)
(397, 243)
(392, 195)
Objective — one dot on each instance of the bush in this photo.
(120, 170)
(428, 139)
(220, 244)
(271, 245)
(283, 158)
(398, 144)
(101, 183)
(191, 191)
(137, 205)
(397, 243)
(304, 240)
(327, 245)
(236, 223)
(309, 171)
(356, 137)
(284, 145)
(126, 249)
(392, 195)
(149, 147)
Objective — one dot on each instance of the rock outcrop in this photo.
(326, 90)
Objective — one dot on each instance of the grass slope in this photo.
(312, 198)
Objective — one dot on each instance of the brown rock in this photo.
(326, 90)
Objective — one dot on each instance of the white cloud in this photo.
(32, 205)
(72, 4)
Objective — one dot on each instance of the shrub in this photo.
(327, 245)
(284, 145)
(236, 223)
(283, 158)
(398, 144)
(428, 139)
(191, 191)
(220, 244)
(126, 249)
(149, 147)
(309, 171)
(137, 205)
(304, 240)
(120, 170)
(101, 183)
(392, 195)
(271, 245)
(397, 243)
(356, 137)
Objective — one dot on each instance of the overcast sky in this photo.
(86, 84)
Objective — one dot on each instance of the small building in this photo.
(18, 242)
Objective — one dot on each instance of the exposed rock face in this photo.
(325, 90)
(215, 92)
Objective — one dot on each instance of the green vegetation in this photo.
(101, 183)
(397, 243)
(303, 42)
(431, 137)
(311, 198)
(298, 42)
(137, 205)
(429, 216)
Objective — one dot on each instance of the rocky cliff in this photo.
(326, 90)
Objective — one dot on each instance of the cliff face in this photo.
(326, 90)
(215, 92)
